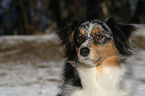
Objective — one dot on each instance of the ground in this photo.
(31, 65)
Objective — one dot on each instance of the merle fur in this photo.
(120, 32)
(65, 34)
(70, 74)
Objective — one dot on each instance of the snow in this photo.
(138, 64)
(29, 80)
(141, 30)
(25, 79)
(29, 37)
(21, 38)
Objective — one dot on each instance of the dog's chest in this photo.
(96, 83)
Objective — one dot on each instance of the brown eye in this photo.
(99, 37)
(79, 38)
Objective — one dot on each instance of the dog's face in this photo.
(91, 42)
(94, 42)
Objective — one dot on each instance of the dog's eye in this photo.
(80, 38)
(99, 37)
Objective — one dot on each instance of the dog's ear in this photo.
(121, 34)
(66, 35)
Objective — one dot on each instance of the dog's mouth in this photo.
(95, 60)
(94, 63)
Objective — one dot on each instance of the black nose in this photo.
(85, 51)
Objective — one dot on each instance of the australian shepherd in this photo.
(96, 52)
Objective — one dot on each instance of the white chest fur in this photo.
(111, 82)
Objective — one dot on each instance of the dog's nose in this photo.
(85, 51)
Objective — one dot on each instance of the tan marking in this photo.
(77, 49)
(111, 61)
(82, 32)
(100, 69)
(105, 51)
(72, 35)
(95, 31)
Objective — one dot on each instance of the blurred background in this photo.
(31, 59)
(19, 17)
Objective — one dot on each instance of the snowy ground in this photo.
(29, 80)
(28, 77)
(39, 78)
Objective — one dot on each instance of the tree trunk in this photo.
(55, 7)
(139, 16)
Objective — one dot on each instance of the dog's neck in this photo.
(104, 75)
(103, 80)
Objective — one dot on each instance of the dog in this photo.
(96, 51)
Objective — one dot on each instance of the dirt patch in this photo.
(142, 80)
(140, 42)
(31, 51)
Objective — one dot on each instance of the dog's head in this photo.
(91, 42)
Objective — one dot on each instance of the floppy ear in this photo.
(66, 35)
(121, 34)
